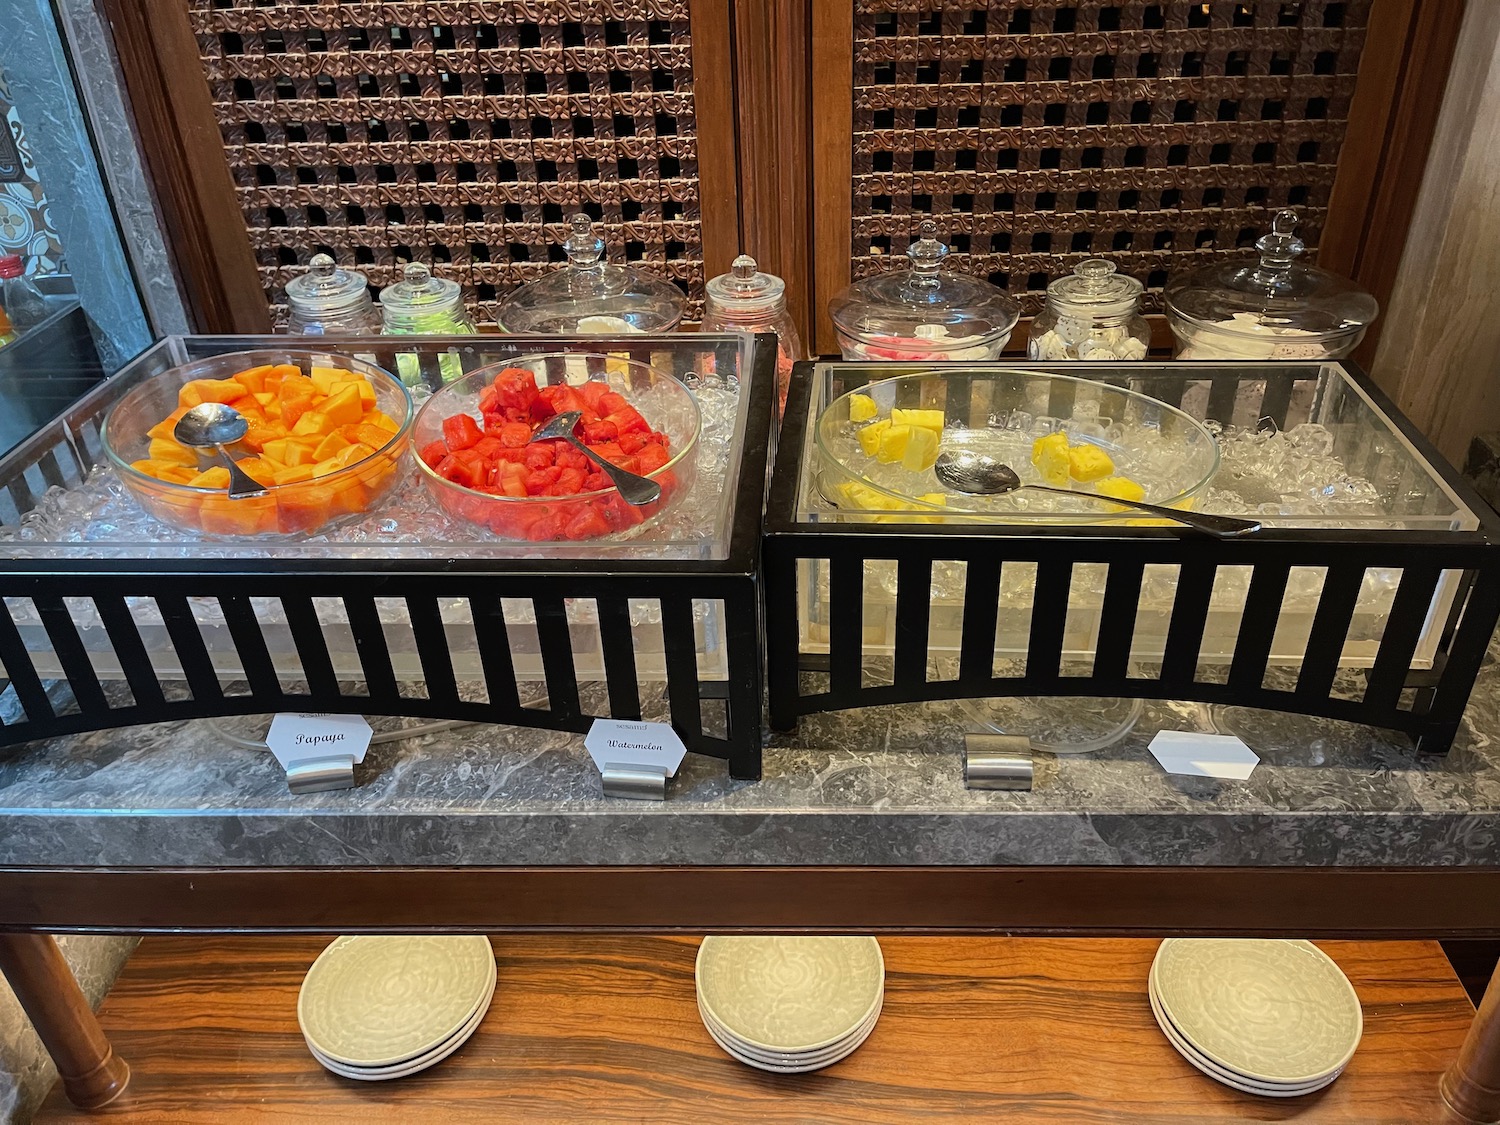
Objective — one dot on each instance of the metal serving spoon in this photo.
(215, 425)
(635, 490)
(963, 470)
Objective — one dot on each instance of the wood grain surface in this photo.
(605, 1029)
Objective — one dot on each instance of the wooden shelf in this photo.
(605, 1029)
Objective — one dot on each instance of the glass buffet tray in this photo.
(1303, 446)
(59, 500)
(95, 518)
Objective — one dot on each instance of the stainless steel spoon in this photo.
(215, 425)
(963, 470)
(635, 490)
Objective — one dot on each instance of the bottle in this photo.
(422, 305)
(1093, 313)
(24, 305)
(329, 301)
(924, 313)
(592, 295)
(749, 301)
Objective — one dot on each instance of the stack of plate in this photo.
(385, 1007)
(1276, 1018)
(790, 1004)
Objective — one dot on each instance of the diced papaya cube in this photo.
(323, 378)
(254, 378)
(265, 398)
(286, 451)
(216, 477)
(350, 496)
(148, 466)
(384, 421)
(353, 454)
(313, 422)
(167, 425)
(305, 507)
(343, 407)
(215, 390)
(294, 384)
(258, 433)
(250, 515)
(373, 436)
(295, 409)
(327, 466)
(330, 445)
(361, 385)
(178, 474)
(292, 474)
(165, 449)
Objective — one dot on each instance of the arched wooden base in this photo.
(91, 1074)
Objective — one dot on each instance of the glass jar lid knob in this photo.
(584, 247)
(321, 267)
(1281, 247)
(927, 254)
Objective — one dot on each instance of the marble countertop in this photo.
(880, 787)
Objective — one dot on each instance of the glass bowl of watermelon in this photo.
(475, 453)
(326, 437)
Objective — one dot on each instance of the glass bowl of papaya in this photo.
(326, 434)
(475, 454)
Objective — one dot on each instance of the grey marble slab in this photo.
(882, 786)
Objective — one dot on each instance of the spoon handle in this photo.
(635, 490)
(241, 483)
(1224, 527)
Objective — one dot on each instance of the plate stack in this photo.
(1276, 1018)
(790, 1004)
(384, 1007)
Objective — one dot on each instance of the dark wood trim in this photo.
(773, 107)
(92, 1074)
(832, 159)
(184, 156)
(1402, 75)
(1447, 902)
(718, 160)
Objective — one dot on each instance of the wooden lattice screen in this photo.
(457, 133)
(1039, 133)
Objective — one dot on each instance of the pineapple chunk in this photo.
(862, 408)
(1089, 462)
(1121, 488)
(921, 449)
(925, 419)
(1050, 455)
(869, 437)
(893, 444)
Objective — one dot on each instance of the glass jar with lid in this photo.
(1093, 313)
(744, 299)
(1270, 308)
(422, 305)
(330, 301)
(923, 313)
(592, 295)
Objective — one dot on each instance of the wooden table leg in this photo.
(92, 1075)
(1471, 1087)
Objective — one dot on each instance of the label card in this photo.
(296, 737)
(619, 742)
(1194, 754)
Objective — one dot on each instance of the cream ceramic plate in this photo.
(411, 1066)
(824, 1055)
(760, 1063)
(380, 1001)
(1276, 1012)
(1228, 1077)
(790, 994)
